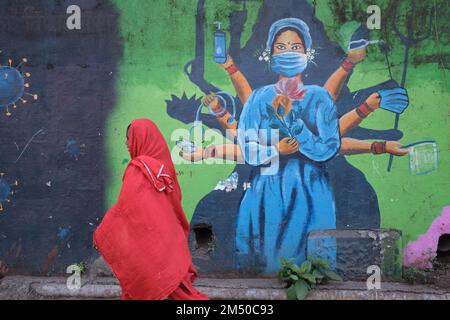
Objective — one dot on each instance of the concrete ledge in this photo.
(356, 250)
(41, 288)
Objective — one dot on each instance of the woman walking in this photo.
(143, 237)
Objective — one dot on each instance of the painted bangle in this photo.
(347, 65)
(232, 69)
(363, 110)
(378, 147)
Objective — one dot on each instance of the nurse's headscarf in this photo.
(288, 64)
(294, 23)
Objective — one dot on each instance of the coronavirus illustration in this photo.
(74, 149)
(13, 86)
(6, 190)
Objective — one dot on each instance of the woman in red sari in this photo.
(143, 237)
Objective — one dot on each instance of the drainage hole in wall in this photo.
(204, 238)
(443, 251)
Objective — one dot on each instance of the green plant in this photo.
(414, 275)
(300, 280)
(82, 266)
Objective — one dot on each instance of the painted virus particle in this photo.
(13, 86)
(74, 149)
(6, 190)
(63, 233)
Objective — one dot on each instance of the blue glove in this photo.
(395, 100)
(359, 38)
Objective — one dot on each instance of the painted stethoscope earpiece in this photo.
(230, 121)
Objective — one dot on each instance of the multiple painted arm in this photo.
(347, 122)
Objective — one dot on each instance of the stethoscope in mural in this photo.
(408, 42)
(13, 86)
(225, 99)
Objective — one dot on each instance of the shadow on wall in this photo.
(59, 201)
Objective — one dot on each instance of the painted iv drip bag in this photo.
(230, 121)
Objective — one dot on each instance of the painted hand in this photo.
(192, 156)
(199, 154)
(287, 146)
(373, 101)
(356, 56)
(395, 148)
(395, 100)
(212, 101)
(227, 63)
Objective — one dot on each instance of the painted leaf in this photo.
(271, 111)
(275, 125)
(281, 111)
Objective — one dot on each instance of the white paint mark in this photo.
(28, 143)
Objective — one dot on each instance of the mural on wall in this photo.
(261, 223)
(66, 149)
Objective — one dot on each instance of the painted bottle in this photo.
(220, 44)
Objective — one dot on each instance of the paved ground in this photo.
(41, 288)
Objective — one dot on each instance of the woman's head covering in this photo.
(145, 139)
(294, 23)
(148, 150)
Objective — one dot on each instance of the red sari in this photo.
(143, 237)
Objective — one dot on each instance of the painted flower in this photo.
(290, 88)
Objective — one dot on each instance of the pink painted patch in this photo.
(422, 252)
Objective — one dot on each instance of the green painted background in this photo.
(159, 38)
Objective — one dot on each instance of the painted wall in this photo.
(154, 59)
(55, 146)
